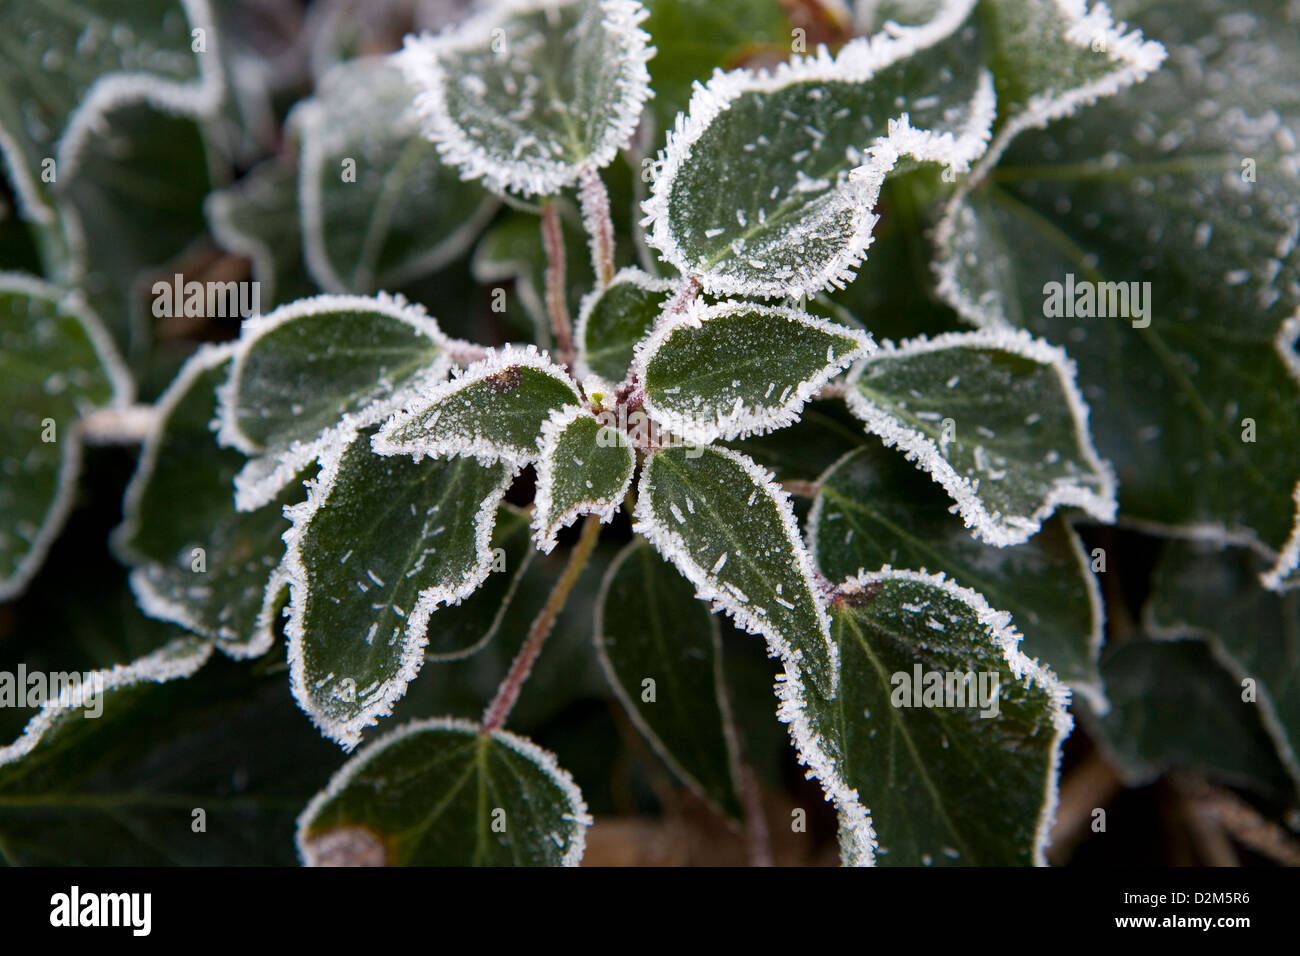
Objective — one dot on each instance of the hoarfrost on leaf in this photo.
(583, 468)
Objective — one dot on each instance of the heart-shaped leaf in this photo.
(584, 468)
(199, 562)
(378, 546)
(451, 797)
(730, 530)
(662, 654)
(530, 92)
(874, 510)
(735, 369)
(493, 411)
(996, 418)
(942, 728)
(766, 187)
(315, 370)
(56, 364)
(378, 207)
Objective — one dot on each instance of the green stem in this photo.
(497, 711)
(557, 305)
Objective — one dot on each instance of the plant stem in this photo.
(557, 305)
(497, 711)
(600, 227)
(118, 426)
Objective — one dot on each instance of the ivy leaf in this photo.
(735, 369)
(1284, 575)
(1183, 240)
(767, 185)
(1203, 590)
(119, 783)
(649, 629)
(531, 92)
(873, 510)
(996, 419)
(316, 369)
(947, 780)
(452, 796)
(199, 562)
(584, 468)
(258, 217)
(378, 546)
(611, 321)
(824, 434)
(57, 363)
(468, 628)
(378, 207)
(1049, 59)
(1174, 706)
(731, 532)
(494, 411)
(82, 60)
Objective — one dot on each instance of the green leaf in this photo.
(1174, 706)
(1203, 590)
(584, 468)
(1049, 59)
(768, 184)
(494, 411)
(72, 63)
(378, 207)
(731, 532)
(531, 92)
(1191, 223)
(873, 510)
(318, 368)
(225, 747)
(258, 217)
(649, 627)
(824, 434)
(692, 38)
(611, 321)
(1284, 575)
(451, 796)
(735, 369)
(378, 546)
(996, 419)
(947, 780)
(57, 363)
(199, 562)
(469, 627)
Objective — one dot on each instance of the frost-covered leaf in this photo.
(996, 419)
(56, 363)
(1173, 706)
(662, 654)
(451, 796)
(319, 367)
(198, 562)
(611, 321)
(71, 63)
(737, 368)
(258, 217)
(1284, 575)
(1051, 57)
(824, 434)
(1201, 589)
(467, 628)
(692, 38)
(379, 545)
(379, 209)
(873, 510)
(530, 92)
(130, 213)
(730, 530)
(921, 773)
(493, 411)
(120, 787)
(583, 468)
(766, 187)
(1154, 236)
